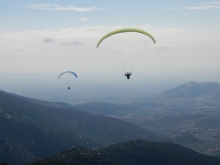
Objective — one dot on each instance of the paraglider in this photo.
(128, 75)
(129, 55)
(68, 72)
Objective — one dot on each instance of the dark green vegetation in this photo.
(129, 153)
(189, 113)
(29, 130)
(74, 155)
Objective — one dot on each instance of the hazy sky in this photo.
(52, 36)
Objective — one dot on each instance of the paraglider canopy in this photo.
(124, 31)
(68, 72)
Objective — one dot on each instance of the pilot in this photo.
(128, 75)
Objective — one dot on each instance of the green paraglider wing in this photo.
(124, 31)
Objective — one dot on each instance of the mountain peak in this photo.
(193, 90)
(191, 83)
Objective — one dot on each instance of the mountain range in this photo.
(189, 113)
(29, 129)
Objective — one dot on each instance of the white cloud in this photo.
(83, 19)
(77, 47)
(23, 49)
(173, 8)
(81, 35)
(203, 6)
(19, 48)
(62, 8)
(170, 31)
(71, 43)
(210, 3)
(48, 40)
(163, 47)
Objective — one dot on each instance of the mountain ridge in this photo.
(42, 130)
(139, 152)
(193, 90)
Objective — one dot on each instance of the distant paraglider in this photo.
(68, 72)
(126, 53)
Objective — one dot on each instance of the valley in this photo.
(37, 128)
